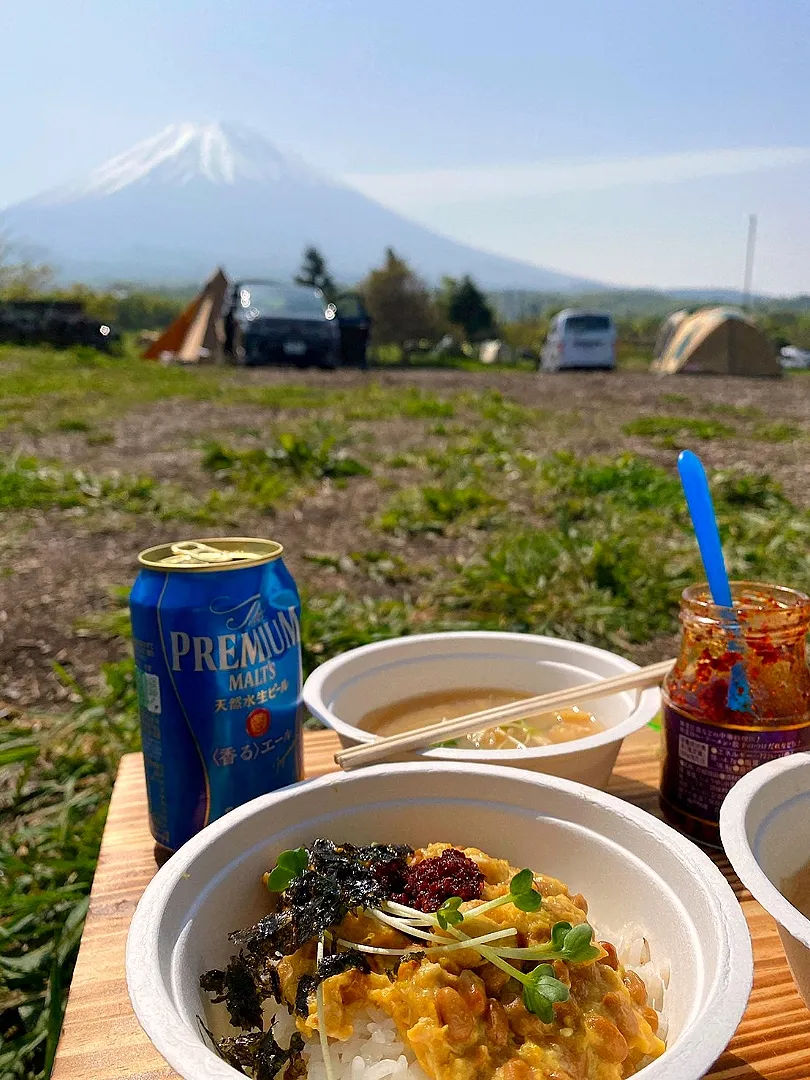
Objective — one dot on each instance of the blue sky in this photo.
(623, 141)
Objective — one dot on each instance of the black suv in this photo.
(269, 322)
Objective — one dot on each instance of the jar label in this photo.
(703, 762)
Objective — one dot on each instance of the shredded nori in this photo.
(239, 1050)
(237, 987)
(268, 981)
(270, 1057)
(259, 1052)
(335, 964)
(296, 1066)
(338, 879)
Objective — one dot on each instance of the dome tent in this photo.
(668, 328)
(714, 341)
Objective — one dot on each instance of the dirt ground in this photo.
(62, 564)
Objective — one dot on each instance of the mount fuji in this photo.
(196, 196)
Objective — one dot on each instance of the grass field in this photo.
(407, 501)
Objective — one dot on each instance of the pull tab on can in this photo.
(191, 552)
(214, 554)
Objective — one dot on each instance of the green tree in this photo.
(466, 307)
(314, 273)
(400, 304)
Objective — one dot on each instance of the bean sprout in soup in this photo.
(544, 729)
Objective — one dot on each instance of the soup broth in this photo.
(436, 707)
(797, 890)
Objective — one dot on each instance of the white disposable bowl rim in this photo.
(647, 706)
(699, 1045)
(734, 834)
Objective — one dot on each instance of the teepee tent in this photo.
(197, 334)
(715, 341)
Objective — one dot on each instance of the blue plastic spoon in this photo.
(701, 509)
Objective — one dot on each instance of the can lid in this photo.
(215, 553)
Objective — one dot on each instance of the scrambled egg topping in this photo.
(465, 1019)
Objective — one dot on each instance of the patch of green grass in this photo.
(28, 484)
(314, 453)
(403, 461)
(44, 387)
(74, 423)
(374, 402)
(573, 483)
(616, 549)
(749, 491)
(249, 472)
(382, 567)
(100, 438)
(677, 431)
(438, 509)
(57, 781)
(424, 405)
(498, 409)
(481, 454)
(739, 412)
(776, 432)
(266, 476)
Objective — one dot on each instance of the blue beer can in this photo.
(217, 640)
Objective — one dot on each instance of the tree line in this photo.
(404, 309)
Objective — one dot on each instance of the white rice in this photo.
(376, 1051)
(634, 951)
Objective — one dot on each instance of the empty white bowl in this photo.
(341, 691)
(765, 829)
(631, 868)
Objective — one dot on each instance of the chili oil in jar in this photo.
(712, 734)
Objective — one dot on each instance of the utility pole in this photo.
(749, 261)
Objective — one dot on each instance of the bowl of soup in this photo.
(765, 829)
(404, 683)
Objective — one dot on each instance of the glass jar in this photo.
(717, 728)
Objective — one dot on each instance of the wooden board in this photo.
(101, 1039)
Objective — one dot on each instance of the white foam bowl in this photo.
(341, 691)
(631, 868)
(765, 829)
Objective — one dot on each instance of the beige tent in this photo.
(197, 334)
(715, 341)
(667, 331)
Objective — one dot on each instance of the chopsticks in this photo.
(384, 749)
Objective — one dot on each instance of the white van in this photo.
(580, 339)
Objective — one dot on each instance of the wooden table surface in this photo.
(101, 1039)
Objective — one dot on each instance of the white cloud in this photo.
(434, 187)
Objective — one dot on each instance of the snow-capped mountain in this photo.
(182, 154)
(196, 196)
